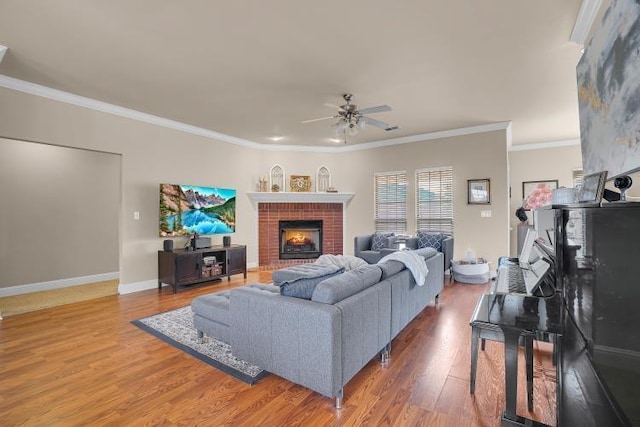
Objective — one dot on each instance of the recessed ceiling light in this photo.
(276, 138)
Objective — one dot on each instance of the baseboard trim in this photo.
(129, 288)
(58, 284)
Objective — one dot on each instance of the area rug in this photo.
(175, 327)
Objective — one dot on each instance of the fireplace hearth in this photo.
(300, 239)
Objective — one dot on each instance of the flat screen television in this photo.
(188, 209)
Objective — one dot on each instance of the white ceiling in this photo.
(254, 69)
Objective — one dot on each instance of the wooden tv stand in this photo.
(183, 268)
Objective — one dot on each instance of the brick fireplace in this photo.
(269, 217)
(271, 208)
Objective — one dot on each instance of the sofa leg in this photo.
(340, 399)
(385, 354)
(384, 357)
(200, 337)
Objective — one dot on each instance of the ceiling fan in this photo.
(350, 120)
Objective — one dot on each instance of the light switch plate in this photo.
(485, 214)
(136, 215)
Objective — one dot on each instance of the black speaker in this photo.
(168, 245)
(226, 241)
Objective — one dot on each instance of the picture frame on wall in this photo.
(537, 194)
(592, 188)
(479, 191)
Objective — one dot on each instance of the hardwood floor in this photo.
(85, 364)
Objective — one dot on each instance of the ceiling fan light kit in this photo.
(350, 120)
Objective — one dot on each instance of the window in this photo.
(390, 201)
(434, 199)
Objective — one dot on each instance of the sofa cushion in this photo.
(337, 288)
(379, 240)
(428, 239)
(300, 271)
(303, 287)
(390, 268)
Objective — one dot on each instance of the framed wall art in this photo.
(479, 191)
(536, 194)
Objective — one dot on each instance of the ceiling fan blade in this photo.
(378, 109)
(379, 124)
(376, 123)
(334, 106)
(317, 120)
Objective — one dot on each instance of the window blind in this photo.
(390, 201)
(434, 199)
(578, 176)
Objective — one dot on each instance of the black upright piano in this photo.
(598, 273)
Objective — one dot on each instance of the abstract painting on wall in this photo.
(609, 93)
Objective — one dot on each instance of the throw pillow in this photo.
(430, 240)
(379, 241)
(303, 287)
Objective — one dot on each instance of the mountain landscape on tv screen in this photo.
(187, 209)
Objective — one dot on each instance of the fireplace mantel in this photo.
(291, 197)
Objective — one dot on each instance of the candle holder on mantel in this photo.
(263, 184)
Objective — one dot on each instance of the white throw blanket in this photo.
(347, 262)
(414, 262)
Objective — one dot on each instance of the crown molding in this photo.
(541, 145)
(81, 101)
(491, 127)
(584, 21)
(104, 107)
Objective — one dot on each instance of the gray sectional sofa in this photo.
(323, 342)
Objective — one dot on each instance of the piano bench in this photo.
(483, 330)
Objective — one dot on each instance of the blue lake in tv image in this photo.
(201, 223)
(188, 209)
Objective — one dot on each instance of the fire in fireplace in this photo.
(300, 239)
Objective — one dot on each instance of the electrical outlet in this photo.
(485, 214)
(136, 215)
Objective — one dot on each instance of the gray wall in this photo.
(476, 156)
(152, 154)
(60, 212)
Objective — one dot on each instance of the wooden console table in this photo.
(182, 268)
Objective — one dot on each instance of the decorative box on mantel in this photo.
(292, 197)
